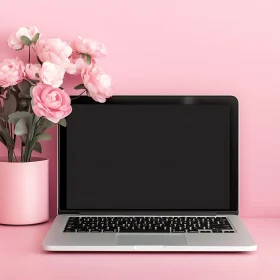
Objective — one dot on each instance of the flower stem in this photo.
(32, 140)
(10, 155)
(15, 157)
(21, 151)
(78, 95)
(15, 139)
(28, 54)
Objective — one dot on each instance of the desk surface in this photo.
(21, 257)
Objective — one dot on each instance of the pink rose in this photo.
(55, 51)
(52, 74)
(49, 102)
(11, 72)
(32, 71)
(97, 82)
(77, 64)
(87, 46)
(14, 41)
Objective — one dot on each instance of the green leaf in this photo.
(10, 105)
(43, 136)
(24, 87)
(88, 59)
(44, 125)
(25, 40)
(80, 86)
(3, 116)
(37, 147)
(35, 38)
(36, 118)
(63, 122)
(23, 104)
(23, 139)
(2, 124)
(21, 128)
(24, 95)
(15, 117)
(6, 139)
(15, 91)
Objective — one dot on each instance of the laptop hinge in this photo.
(149, 213)
(157, 213)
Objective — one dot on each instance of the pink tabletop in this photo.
(21, 257)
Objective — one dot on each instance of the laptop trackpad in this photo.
(151, 239)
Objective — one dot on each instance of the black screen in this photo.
(148, 157)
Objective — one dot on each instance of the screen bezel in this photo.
(156, 100)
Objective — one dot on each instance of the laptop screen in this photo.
(148, 157)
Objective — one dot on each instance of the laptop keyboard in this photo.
(149, 225)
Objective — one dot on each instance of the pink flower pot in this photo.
(24, 192)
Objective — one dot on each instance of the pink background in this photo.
(182, 47)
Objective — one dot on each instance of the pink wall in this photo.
(183, 47)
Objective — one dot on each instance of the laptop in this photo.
(149, 173)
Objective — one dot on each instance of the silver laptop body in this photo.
(134, 225)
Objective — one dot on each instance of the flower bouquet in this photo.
(32, 100)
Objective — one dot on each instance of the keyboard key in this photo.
(69, 230)
(82, 230)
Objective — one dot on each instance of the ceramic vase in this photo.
(24, 192)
